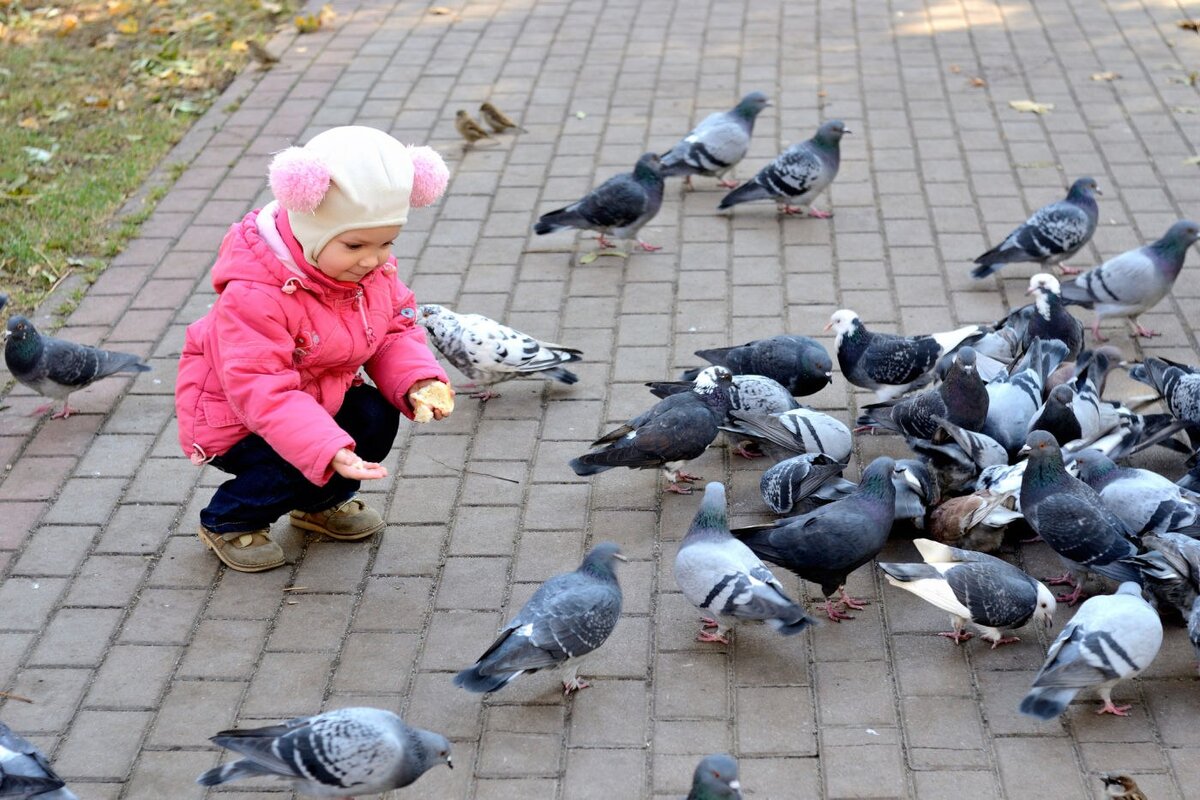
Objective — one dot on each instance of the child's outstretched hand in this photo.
(431, 399)
(349, 465)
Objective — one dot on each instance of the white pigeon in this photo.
(360, 750)
(489, 352)
(1111, 637)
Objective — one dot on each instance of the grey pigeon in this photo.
(24, 770)
(804, 482)
(55, 367)
(620, 206)
(1014, 399)
(1053, 234)
(962, 398)
(717, 144)
(748, 393)
(489, 352)
(798, 362)
(1179, 385)
(1070, 516)
(824, 546)
(957, 455)
(888, 364)
(1045, 318)
(801, 430)
(974, 587)
(797, 175)
(1170, 570)
(976, 521)
(720, 576)
(359, 750)
(716, 778)
(1135, 281)
(1145, 501)
(1068, 371)
(1096, 417)
(569, 616)
(677, 429)
(1057, 416)
(917, 490)
(1111, 637)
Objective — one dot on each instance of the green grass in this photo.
(92, 97)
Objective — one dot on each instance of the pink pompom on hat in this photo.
(352, 177)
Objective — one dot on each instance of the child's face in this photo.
(352, 255)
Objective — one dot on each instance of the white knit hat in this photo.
(352, 177)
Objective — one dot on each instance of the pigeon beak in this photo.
(829, 377)
(735, 785)
(1024, 449)
(1097, 191)
(620, 557)
(829, 326)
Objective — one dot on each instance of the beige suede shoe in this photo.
(346, 521)
(245, 551)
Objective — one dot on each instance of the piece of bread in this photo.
(433, 396)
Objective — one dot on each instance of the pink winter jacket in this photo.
(283, 343)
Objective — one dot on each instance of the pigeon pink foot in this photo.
(819, 214)
(705, 636)
(1005, 640)
(1144, 332)
(958, 636)
(834, 613)
(675, 488)
(1071, 598)
(649, 248)
(1063, 269)
(743, 450)
(483, 395)
(1110, 708)
(855, 603)
(728, 184)
(1066, 579)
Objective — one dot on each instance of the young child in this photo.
(269, 387)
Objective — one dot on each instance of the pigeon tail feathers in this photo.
(745, 193)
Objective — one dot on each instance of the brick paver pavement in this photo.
(135, 646)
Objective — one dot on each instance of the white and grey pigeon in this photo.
(25, 771)
(569, 616)
(1170, 570)
(351, 750)
(1135, 281)
(748, 393)
(717, 144)
(716, 778)
(489, 352)
(675, 430)
(801, 430)
(800, 363)
(1110, 638)
(1179, 385)
(886, 363)
(1045, 318)
(1144, 500)
(55, 367)
(720, 576)
(1053, 234)
(620, 206)
(974, 588)
(797, 175)
(803, 482)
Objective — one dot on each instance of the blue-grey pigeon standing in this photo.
(1053, 234)
(716, 778)
(677, 429)
(569, 616)
(1111, 637)
(359, 750)
(1135, 281)
(1070, 516)
(620, 206)
(800, 363)
(886, 363)
(55, 367)
(747, 393)
(825, 545)
(797, 175)
(717, 144)
(983, 590)
(722, 577)
(489, 352)
(24, 770)
(962, 399)
(1144, 500)
(803, 482)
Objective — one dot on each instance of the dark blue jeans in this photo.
(266, 487)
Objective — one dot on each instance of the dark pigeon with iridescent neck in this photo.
(801, 364)
(717, 144)
(797, 175)
(1053, 234)
(620, 206)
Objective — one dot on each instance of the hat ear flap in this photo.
(299, 179)
(430, 176)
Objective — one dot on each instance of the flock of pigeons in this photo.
(1006, 422)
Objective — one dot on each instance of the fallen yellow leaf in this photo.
(239, 46)
(118, 8)
(67, 23)
(955, 69)
(307, 23)
(1030, 105)
(440, 11)
(326, 14)
(128, 27)
(30, 124)
(978, 82)
(1105, 76)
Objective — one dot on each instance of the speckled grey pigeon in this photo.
(976, 521)
(799, 363)
(1070, 516)
(1045, 318)
(717, 144)
(719, 575)
(1057, 416)
(55, 367)
(489, 352)
(917, 490)
(1111, 637)
(677, 429)
(803, 482)
(801, 430)
(359, 750)
(1053, 234)
(824, 546)
(797, 175)
(748, 393)
(24, 770)
(1179, 385)
(962, 398)
(958, 455)
(974, 587)
(1014, 399)
(1170, 570)
(716, 778)
(1135, 281)
(888, 364)
(1145, 501)
(620, 206)
(569, 616)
